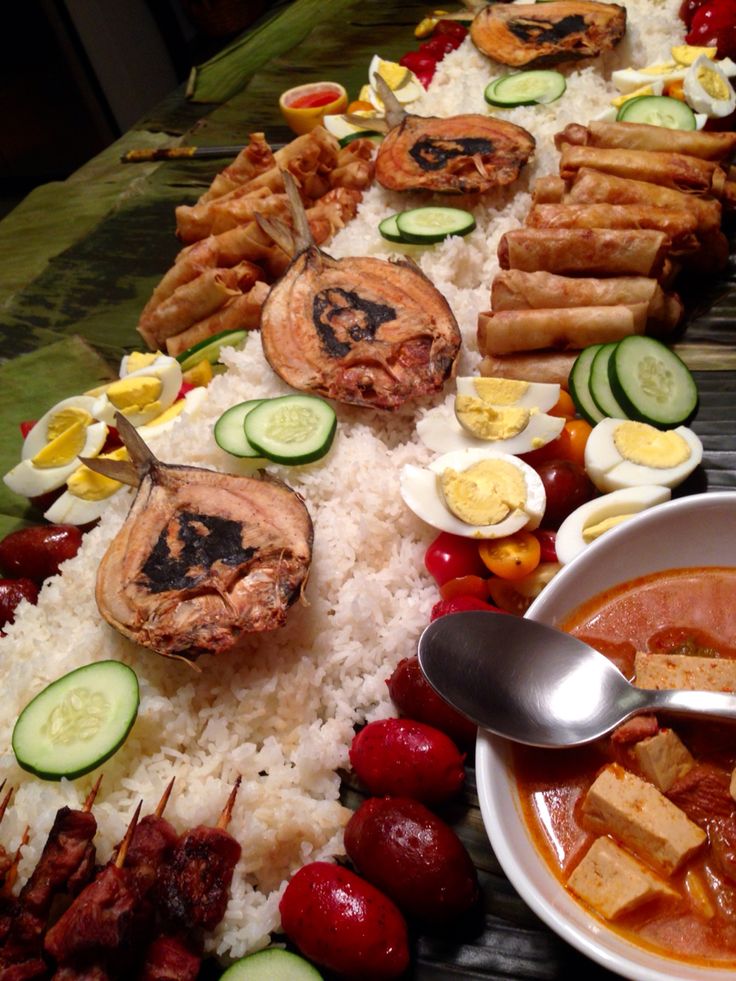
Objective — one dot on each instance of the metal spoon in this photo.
(533, 684)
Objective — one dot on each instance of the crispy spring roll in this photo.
(513, 289)
(593, 186)
(254, 159)
(639, 136)
(571, 328)
(548, 190)
(197, 221)
(584, 251)
(241, 313)
(678, 225)
(534, 366)
(195, 300)
(674, 170)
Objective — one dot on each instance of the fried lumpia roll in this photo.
(354, 167)
(241, 313)
(548, 190)
(639, 136)
(513, 289)
(678, 225)
(534, 366)
(673, 170)
(197, 221)
(571, 328)
(593, 186)
(254, 159)
(584, 251)
(195, 300)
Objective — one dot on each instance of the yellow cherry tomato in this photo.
(512, 557)
(360, 105)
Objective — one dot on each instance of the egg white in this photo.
(698, 98)
(73, 510)
(421, 492)
(168, 371)
(29, 480)
(630, 500)
(611, 471)
(37, 438)
(538, 395)
(440, 431)
(193, 400)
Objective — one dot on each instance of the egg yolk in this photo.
(714, 85)
(133, 394)
(686, 54)
(64, 418)
(171, 413)
(393, 74)
(591, 532)
(487, 422)
(92, 486)
(139, 359)
(485, 493)
(500, 391)
(649, 447)
(63, 448)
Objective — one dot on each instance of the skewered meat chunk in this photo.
(169, 959)
(66, 863)
(151, 847)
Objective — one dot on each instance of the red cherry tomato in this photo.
(460, 604)
(567, 486)
(343, 923)
(438, 47)
(465, 586)
(715, 24)
(183, 389)
(688, 9)
(548, 544)
(450, 556)
(451, 28)
(417, 61)
(404, 758)
(26, 426)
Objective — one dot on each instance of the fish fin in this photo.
(121, 470)
(395, 112)
(303, 233)
(376, 123)
(142, 457)
(279, 231)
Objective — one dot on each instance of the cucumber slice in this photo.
(537, 87)
(363, 134)
(229, 430)
(423, 226)
(657, 110)
(579, 385)
(209, 349)
(390, 230)
(652, 383)
(273, 964)
(78, 721)
(292, 429)
(600, 386)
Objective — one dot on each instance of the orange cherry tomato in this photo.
(465, 586)
(564, 406)
(506, 598)
(569, 445)
(512, 557)
(360, 105)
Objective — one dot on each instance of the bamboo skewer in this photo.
(227, 811)
(180, 153)
(125, 843)
(92, 794)
(161, 806)
(12, 875)
(6, 800)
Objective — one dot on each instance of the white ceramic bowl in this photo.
(692, 531)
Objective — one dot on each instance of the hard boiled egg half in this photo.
(148, 385)
(87, 495)
(503, 413)
(621, 453)
(403, 83)
(52, 448)
(592, 519)
(476, 493)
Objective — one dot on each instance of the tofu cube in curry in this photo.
(663, 758)
(663, 671)
(635, 813)
(614, 882)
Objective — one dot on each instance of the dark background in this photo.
(75, 74)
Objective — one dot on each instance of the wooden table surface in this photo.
(80, 258)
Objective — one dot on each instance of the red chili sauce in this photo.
(313, 100)
(685, 611)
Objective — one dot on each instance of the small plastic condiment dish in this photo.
(695, 531)
(303, 120)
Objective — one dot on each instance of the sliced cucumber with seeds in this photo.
(652, 383)
(209, 349)
(390, 230)
(537, 87)
(363, 134)
(78, 721)
(433, 224)
(229, 430)
(291, 429)
(273, 964)
(579, 385)
(600, 386)
(657, 110)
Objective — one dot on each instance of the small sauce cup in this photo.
(304, 106)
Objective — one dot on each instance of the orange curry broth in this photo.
(683, 611)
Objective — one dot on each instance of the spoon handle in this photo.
(718, 704)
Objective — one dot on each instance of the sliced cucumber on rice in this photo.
(422, 226)
(657, 110)
(229, 430)
(291, 429)
(536, 87)
(390, 230)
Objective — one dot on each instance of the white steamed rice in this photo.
(281, 713)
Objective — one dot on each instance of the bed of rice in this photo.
(281, 713)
